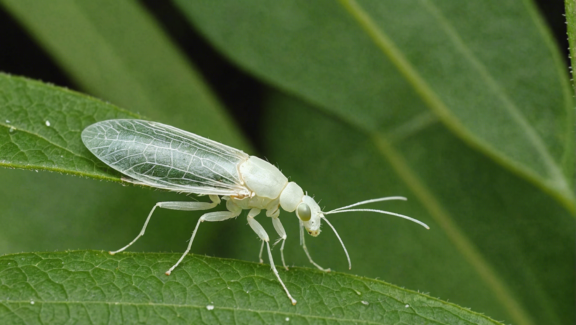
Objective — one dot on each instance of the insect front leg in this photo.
(183, 206)
(303, 243)
(233, 212)
(259, 230)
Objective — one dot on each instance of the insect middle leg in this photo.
(303, 243)
(259, 230)
(183, 206)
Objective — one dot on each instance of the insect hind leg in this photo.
(183, 206)
(211, 217)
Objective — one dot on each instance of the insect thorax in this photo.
(257, 202)
(262, 178)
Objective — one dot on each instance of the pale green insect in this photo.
(162, 156)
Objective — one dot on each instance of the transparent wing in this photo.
(165, 157)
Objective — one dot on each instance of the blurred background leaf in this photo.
(412, 58)
(344, 119)
(119, 52)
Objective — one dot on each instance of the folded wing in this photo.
(165, 157)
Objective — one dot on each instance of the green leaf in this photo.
(94, 287)
(498, 243)
(44, 211)
(115, 51)
(487, 248)
(42, 125)
(387, 65)
(493, 180)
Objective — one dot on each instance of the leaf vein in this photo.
(155, 304)
(558, 187)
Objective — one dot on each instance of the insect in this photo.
(164, 157)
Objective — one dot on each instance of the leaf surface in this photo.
(45, 211)
(498, 244)
(460, 107)
(41, 128)
(117, 52)
(485, 248)
(91, 286)
(489, 71)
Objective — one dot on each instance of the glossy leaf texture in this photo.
(41, 128)
(488, 70)
(130, 288)
(473, 124)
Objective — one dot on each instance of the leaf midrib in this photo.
(452, 231)
(67, 170)
(441, 216)
(509, 105)
(10, 127)
(558, 188)
(433, 205)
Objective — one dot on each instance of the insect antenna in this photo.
(341, 242)
(380, 199)
(378, 211)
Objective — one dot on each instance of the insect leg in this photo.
(211, 217)
(282, 233)
(261, 250)
(259, 230)
(251, 214)
(276, 212)
(303, 243)
(184, 206)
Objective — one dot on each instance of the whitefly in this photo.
(162, 156)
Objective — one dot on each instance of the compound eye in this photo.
(304, 212)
